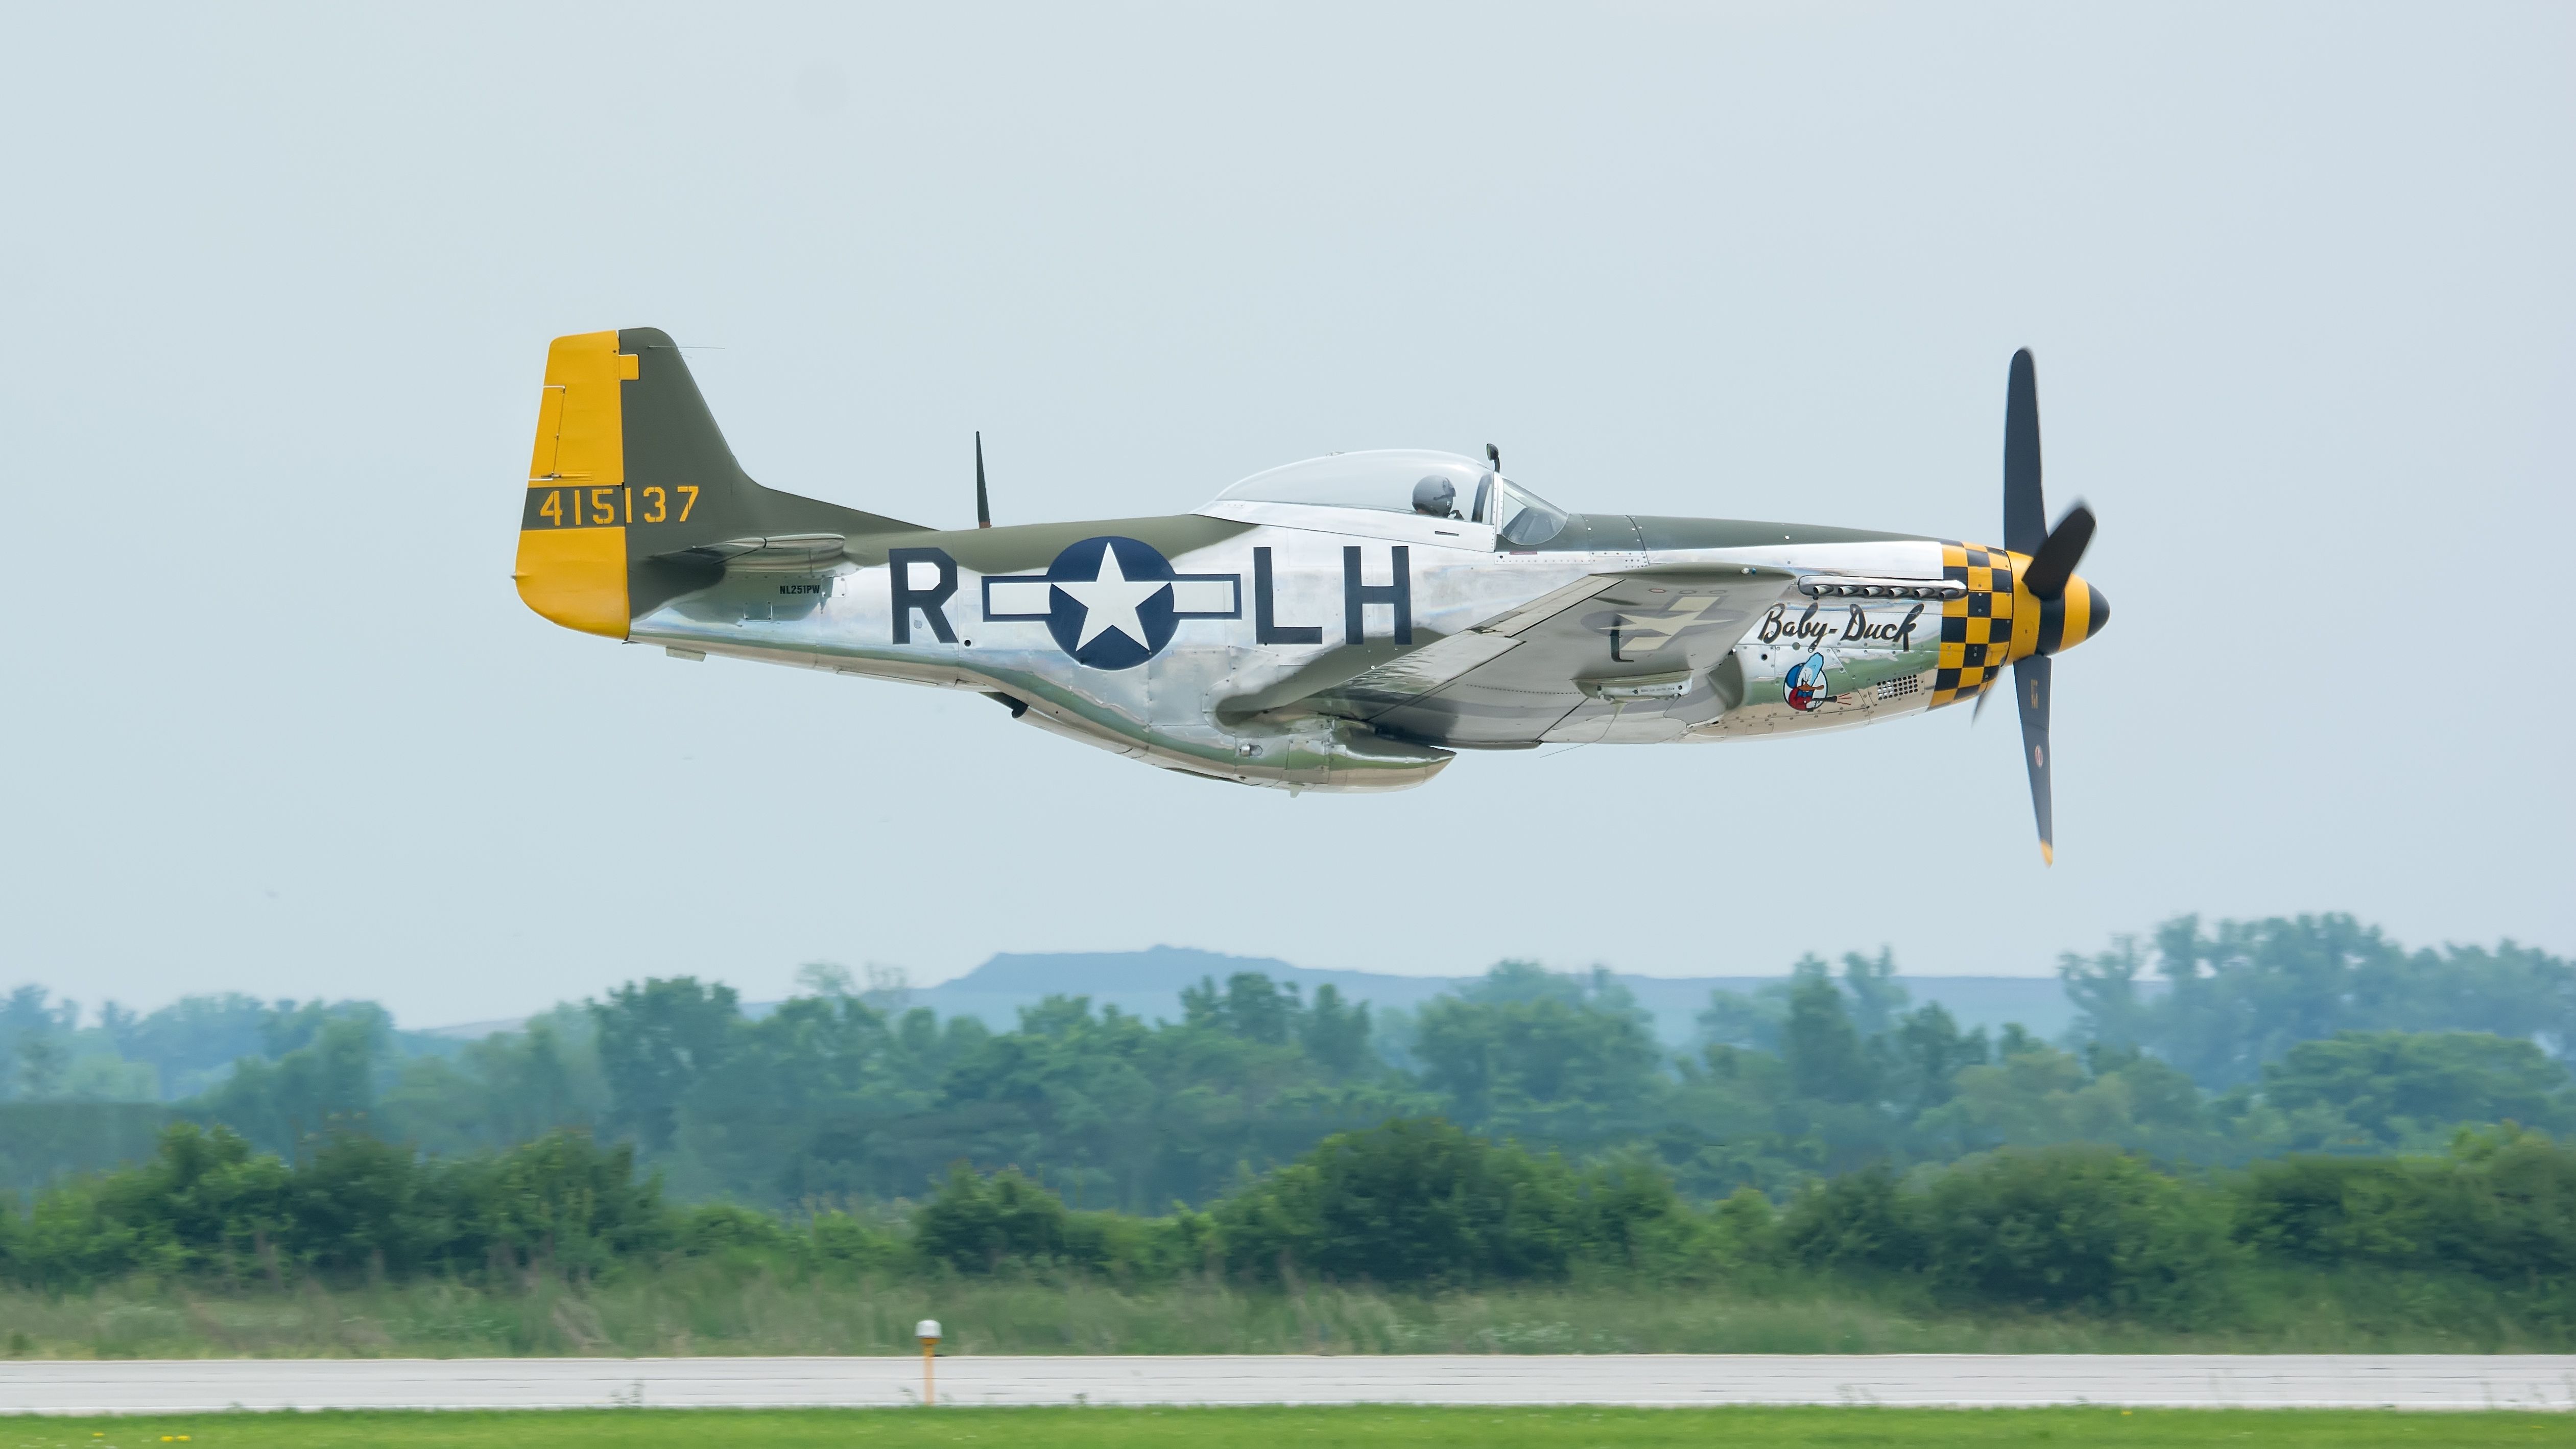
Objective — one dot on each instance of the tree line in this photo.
(2204, 1045)
(1412, 1203)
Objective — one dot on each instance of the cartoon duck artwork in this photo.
(1806, 683)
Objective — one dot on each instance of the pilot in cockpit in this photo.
(1436, 497)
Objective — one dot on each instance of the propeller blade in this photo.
(2025, 514)
(2031, 688)
(983, 505)
(2054, 561)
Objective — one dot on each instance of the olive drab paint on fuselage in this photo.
(1266, 639)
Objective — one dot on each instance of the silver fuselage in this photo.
(1199, 703)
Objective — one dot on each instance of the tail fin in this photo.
(633, 497)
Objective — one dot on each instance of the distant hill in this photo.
(1148, 984)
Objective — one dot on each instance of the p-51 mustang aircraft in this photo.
(1345, 623)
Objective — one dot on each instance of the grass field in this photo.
(1280, 1428)
(695, 1310)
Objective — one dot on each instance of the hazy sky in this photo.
(276, 287)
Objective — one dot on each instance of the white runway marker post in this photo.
(927, 1330)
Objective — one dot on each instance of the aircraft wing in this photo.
(1633, 649)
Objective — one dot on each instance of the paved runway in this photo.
(1943, 1380)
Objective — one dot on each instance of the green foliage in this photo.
(1417, 1204)
(2082, 1228)
(2034, 1095)
(31, 1060)
(1252, 1006)
(1826, 1060)
(561, 1202)
(193, 1041)
(1754, 1021)
(509, 1087)
(1876, 999)
(2210, 1046)
(2223, 1002)
(1925, 1054)
(2398, 1089)
(655, 1041)
(1335, 1033)
(323, 1076)
(1406, 1202)
(976, 1224)
(1859, 1221)
(843, 1242)
(1112, 1110)
(1423, 1202)
(208, 1205)
(1533, 1054)
(2500, 1206)
(814, 1066)
(2077, 1228)
(40, 1141)
(682, 1305)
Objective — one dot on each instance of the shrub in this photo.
(975, 1224)
(1743, 1233)
(736, 1234)
(2393, 1086)
(561, 1203)
(2502, 1206)
(203, 1204)
(2077, 1227)
(1129, 1248)
(2330, 1210)
(1856, 1221)
(849, 1244)
(1630, 1217)
(360, 1203)
(2525, 1188)
(1411, 1201)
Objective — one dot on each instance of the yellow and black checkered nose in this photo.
(1998, 620)
(1977, 627)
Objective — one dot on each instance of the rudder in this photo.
(572, 544)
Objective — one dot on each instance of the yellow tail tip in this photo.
(2047, 853)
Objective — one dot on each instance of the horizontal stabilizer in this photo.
(782, 551)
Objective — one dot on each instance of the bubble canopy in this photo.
(1407, 480)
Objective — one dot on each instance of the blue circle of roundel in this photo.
(1111, 604)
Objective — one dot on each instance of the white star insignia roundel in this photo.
(1109, 600)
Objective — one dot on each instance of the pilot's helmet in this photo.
(1436, 496)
